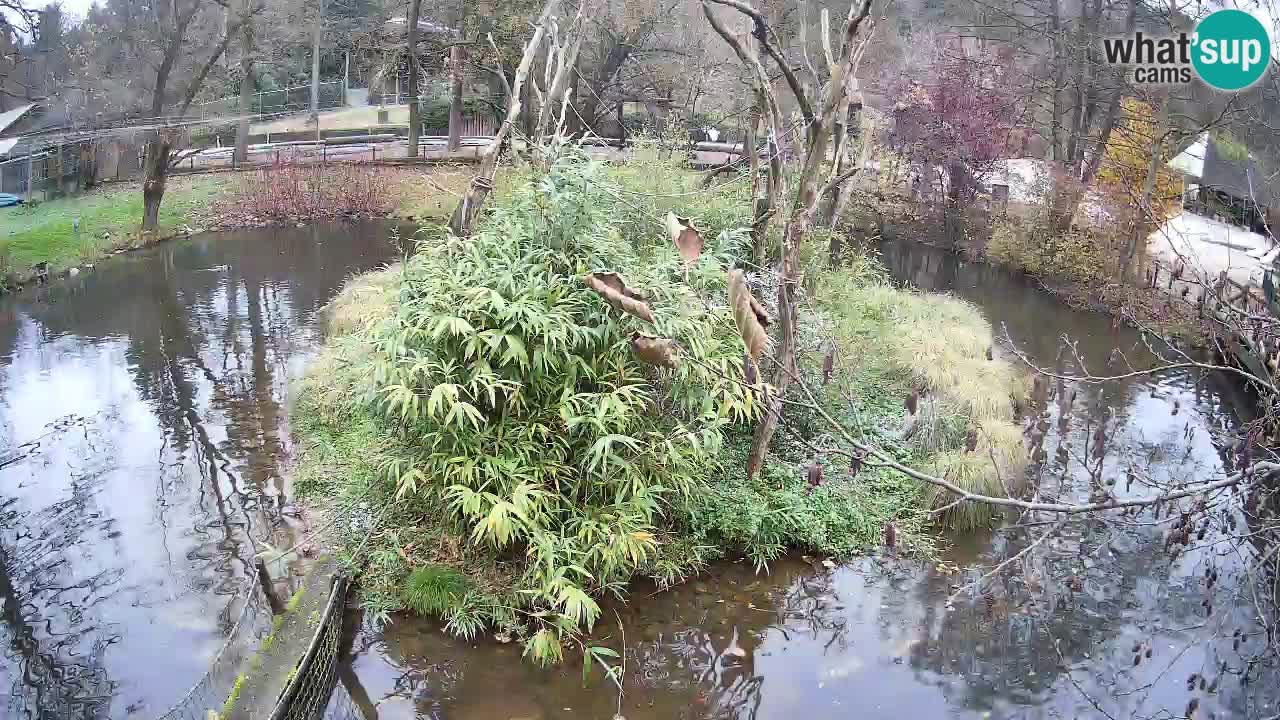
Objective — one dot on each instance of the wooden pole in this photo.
(264, 579)
(315, 68)
(414, 107)
(455, 97)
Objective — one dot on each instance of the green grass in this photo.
(230, 703)
(937, 346)
(109, 219)
(434, 589)
(429, 195)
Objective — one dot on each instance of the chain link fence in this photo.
(45, 173)
(342, 706)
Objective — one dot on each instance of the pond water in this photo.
(143, 439)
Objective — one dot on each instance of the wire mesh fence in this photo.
(308, 694)
(44, 174)
(342, 706)
(268, 102)
(252, 624)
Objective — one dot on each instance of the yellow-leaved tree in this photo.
(1128, 161)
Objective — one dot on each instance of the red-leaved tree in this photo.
(954, 118)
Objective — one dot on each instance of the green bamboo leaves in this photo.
(527, 409)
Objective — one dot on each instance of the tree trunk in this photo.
(759, 195)
(455, 97)
(590, 106)
(559, 92)
(528, 111)
(802, 215)
(827, 203)
(1146, 220)
(953, 205)
(315, 69)
(797, 229)
(156, 174)
(241, 153)
(803, 211)
(1063, 205)
(415, 123)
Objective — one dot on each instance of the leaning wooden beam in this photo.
(468, 209)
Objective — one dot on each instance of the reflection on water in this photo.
(142, 442)
(1096, 622)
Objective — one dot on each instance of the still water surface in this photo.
(143, 440)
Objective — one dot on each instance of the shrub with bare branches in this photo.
(295, 193)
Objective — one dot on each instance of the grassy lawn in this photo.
(108, 219)
(430, 194)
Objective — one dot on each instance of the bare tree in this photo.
(415, 121)
(174, 26)
(468, 208)
(621, 32)
(317, 30)
(241, 153)
(456, 60)
(819, 122)
(16, 21)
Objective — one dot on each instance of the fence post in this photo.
(268, 589)
(31, 175)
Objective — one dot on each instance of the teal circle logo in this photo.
(1231, 50)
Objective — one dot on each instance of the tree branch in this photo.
(497, 69)
(198, 80)
(763, 32)
(1268, 469)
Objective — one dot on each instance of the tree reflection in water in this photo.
(126, 537)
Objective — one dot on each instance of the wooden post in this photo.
(264, 579)
(62, 172)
